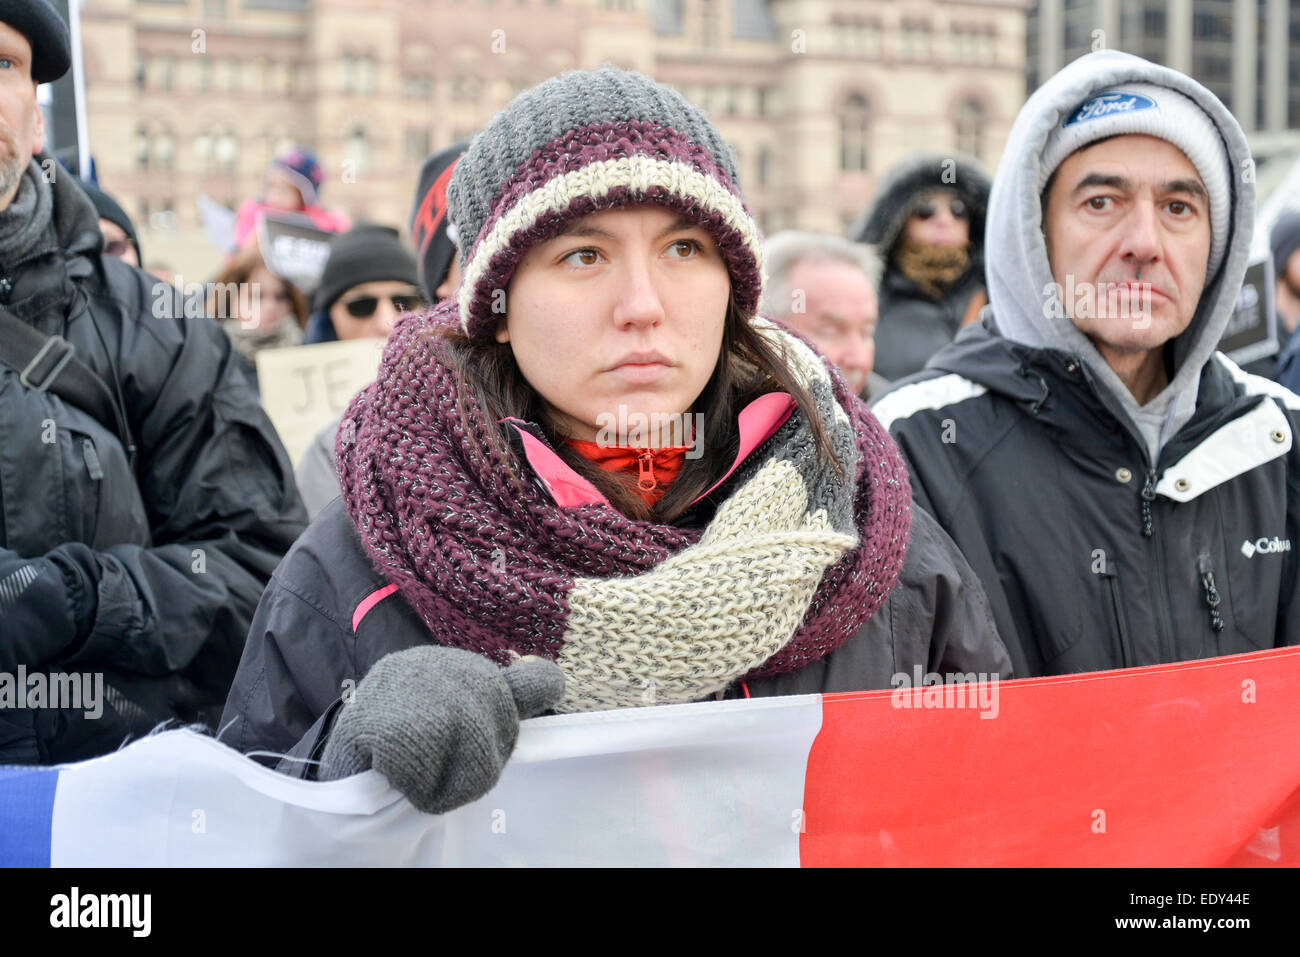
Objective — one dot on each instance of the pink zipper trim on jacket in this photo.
(369, 602)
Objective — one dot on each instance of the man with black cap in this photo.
(144, 496)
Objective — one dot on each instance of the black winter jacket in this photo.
(1094, 557)
(912, 326)
(328, 616)
(148, 580)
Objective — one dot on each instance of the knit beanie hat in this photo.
(365, 253)
(303, 169)
(1283, 241)
(45, 31)
(434, 248)
(582, 142)
(109, 208)
(1154, 111)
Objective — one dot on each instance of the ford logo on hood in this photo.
(1109, 104)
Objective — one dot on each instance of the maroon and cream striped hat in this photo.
(583, 142)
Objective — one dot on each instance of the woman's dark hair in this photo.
(749, 365)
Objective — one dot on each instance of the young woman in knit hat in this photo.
(496, 552)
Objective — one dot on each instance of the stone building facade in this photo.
(818, 97)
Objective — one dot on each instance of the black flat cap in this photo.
(45, 31)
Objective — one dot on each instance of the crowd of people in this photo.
(1057, 472)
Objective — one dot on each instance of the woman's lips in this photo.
(641, 373)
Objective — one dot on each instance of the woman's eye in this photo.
(684, 248)
(585, 257)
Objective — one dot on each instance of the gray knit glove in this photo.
(439, 723)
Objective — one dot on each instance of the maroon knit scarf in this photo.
(487, 558)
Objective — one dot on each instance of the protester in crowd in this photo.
(1285, 247)
(927, 220)
(432, 234)
(291, 185)
(825, 287)
(610, 268)
(1127, 495)
(256, 308)
(368, 281)
(145, 496)
(120, 239)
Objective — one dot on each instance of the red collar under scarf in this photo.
(655, 469)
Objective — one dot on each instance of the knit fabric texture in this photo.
(583, 142)
(796, 557)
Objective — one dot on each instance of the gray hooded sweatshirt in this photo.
(1020, 280)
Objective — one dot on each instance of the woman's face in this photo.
(270, 303)
(939, 219)
(625, 308)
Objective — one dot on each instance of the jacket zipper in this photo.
(1212, 599)
(1164, 613)
(1126, 657)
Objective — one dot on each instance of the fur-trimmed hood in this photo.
(921, 172)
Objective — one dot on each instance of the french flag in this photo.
(1190, 764)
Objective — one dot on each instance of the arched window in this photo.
(227, 152)
(855, 134)
(203, 152)
(970, 121)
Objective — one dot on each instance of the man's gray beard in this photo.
(11, 171)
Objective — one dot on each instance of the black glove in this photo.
(439, 723)
(47, 604)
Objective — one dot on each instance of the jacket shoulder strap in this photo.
(49, 363)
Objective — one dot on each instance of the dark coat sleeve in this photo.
(218, 490)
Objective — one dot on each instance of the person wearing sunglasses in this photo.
(928, 218)
(369, 280)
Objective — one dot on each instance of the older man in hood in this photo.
(1127, 494)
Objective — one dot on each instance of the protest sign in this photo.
(1251, 333)
(293, 248)
(304, 388)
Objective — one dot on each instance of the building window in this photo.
(855, 134)
(367, 74)
(916, 40)
(227, 152)
(464, 87)
(142, 147)
(141, 73)
(203, 152)
(708, 23)
(970, 122)
(164, 148)
(347, 81)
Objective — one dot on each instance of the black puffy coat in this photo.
(144, 581)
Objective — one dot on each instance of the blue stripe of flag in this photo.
(26, 815)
